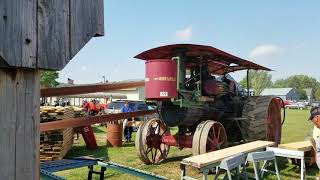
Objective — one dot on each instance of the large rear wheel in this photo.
(209, 136)
(262, 119)
(149, 146)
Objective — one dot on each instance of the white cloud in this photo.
(265, 50)
(184, 35)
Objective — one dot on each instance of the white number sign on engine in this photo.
(163, 94)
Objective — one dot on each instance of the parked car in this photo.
(296, 105)
(115, 107)
(315, 104)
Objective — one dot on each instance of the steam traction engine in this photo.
(193, 91)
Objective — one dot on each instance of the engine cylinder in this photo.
(161, 79)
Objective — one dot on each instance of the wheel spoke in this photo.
(148, 150)
(155, 155)
(210, 140)
(162, 156)
(214, 134)
(157, 128)
(164, 132)
(152, 155)
(219, 132)
(220, 143)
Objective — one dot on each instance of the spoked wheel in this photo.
(209, 136)
(148, 142)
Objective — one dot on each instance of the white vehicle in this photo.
(296, 105)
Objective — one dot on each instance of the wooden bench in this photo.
(296, 150)
(299, 146)
(206, 162)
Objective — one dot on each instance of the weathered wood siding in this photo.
(46, 34)
(54, 30)
(18, 32)
(86, 22)
(19, 122)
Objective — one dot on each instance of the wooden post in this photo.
(35, 34)
(19, 122)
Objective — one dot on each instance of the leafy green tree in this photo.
(49, 78)
(317, 94)
(258, 81)
(298, 82)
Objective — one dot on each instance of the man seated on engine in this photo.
(210, 86)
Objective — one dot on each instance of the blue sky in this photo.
(282, 35)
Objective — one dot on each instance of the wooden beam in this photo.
(85, 121)
(90, 88)
(19, 122)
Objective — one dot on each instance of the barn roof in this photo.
(276, 91)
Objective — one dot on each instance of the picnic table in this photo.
(206, 162)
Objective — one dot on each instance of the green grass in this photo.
(296, 128)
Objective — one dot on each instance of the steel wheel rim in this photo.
(213, 136)
(151, 150)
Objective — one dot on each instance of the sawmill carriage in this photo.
(192, 89)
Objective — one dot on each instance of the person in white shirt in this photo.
(315, 141)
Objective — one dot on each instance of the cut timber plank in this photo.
(203, 160)
(300, 146)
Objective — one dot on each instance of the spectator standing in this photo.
(127, 131)
(315, 118)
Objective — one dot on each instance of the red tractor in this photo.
(94, 107)
(193, 91)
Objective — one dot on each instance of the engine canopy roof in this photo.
(218, 62)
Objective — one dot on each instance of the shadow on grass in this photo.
(175, 159)
(76, 151)
(127, 144)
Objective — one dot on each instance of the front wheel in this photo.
(149, 146)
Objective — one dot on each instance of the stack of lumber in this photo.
(78, 111)
(54, 145)
(50, 113)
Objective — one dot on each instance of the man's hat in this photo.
(314, 112)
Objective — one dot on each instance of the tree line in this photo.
(260, 80)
